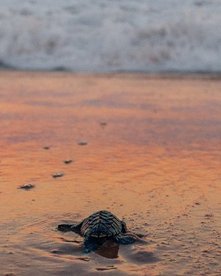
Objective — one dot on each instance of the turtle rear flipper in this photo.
(127, 238)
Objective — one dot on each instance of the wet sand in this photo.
(146, 148)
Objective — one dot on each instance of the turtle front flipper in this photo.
(126, 238)
(65, 227)
(70, 227)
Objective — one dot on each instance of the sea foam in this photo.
(116, 35)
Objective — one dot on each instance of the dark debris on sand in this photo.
(46, 147)
(103, 124)
(58, 174)
(82, 143)
(26, 187)
(68, 161)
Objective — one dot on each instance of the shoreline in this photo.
(132, 74)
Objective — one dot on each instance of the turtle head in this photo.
(90, 244)
(93, 242)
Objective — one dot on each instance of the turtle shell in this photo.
(102, 224)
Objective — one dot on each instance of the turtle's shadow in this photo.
(109, 249)
(106, 248)
(139, 253)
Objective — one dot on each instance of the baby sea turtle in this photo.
(99, 227)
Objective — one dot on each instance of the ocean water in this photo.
(107, 36)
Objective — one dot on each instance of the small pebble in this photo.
(85, 259)
(10, 253)
(82, 143)
(103, 123)
(109, 267)
(68, 161)
(56, 251)
(58, 174)
(26, 186)
(46, 147)
(208, 215)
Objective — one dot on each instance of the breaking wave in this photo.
(106, 36)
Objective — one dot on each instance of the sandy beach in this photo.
(147, 148)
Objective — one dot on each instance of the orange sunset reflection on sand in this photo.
(150, 154)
